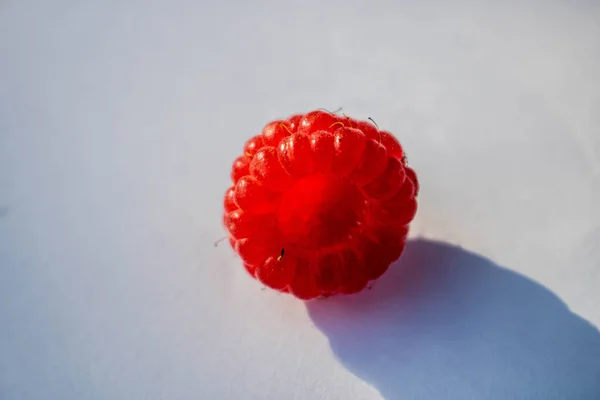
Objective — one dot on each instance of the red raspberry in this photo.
(320, 204)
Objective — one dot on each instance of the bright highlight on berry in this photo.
(334, 194)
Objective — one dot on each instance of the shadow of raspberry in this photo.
(444, 323)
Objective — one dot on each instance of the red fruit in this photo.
(267, 169)
(303, 284)
(294, 154)
(229, 201)
(320, 204)
(388, 182)
(372, 163)
(318, 120)
(241, 167)
(349, 144)
(253, 197)
(253, 145)
(294, 122)
(274, 131)
(276, 273)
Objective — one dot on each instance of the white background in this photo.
(119, 121)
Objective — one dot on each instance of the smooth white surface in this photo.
(118, 124)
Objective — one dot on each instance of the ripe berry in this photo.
(320, 204)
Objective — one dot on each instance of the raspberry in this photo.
(320, 204)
